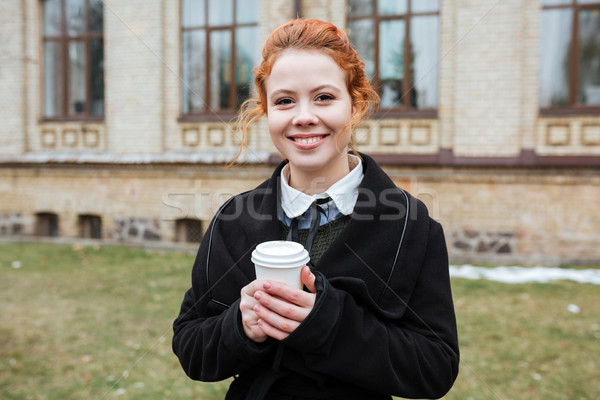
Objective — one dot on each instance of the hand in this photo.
(281, 308)
(249, 318)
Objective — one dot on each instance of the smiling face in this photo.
(308, 111)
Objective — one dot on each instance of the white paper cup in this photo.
(280, 260)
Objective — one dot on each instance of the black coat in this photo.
(383, 321)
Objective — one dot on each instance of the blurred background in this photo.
(118, 117)
(117, 121)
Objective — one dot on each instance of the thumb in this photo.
(308, 279)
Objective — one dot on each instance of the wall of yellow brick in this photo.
(544, 216)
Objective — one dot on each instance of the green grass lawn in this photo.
(95, 323)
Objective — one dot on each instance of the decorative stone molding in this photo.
(402, 136)
(568, 136)
(70, 136)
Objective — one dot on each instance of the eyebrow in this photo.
(279, 92)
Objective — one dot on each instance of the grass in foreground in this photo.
(95, 323)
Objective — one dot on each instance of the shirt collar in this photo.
(344, 192)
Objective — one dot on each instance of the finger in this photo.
(252, 287)
(292, 295)
(308, 279)
(282, 307)
(271, 331)
(275, 320)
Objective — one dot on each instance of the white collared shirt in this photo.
(343, 193)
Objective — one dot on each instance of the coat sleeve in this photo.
(208, 337)
(415, 355)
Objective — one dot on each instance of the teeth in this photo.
(309, 140)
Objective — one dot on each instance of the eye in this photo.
(284, 101)
(324, 98)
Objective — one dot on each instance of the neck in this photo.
(318, 181)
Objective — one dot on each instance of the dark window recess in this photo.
(189, 230)
(46, 224)
(90, 227)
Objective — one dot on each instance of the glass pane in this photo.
(220, 69)
(424, 35)
(96, 77)
(589, 57)
(193, 13)
(52, 17)
(418, 6)
(391, 62)
(76, 95)
(555, 43)
(246, 53)
(53, 81)
(75, 12)
(220, 12)
(392, 7)
(586, 1)
(360, 7)
(194, 71)
(96, 18)
(246, 11)
(362, 36)
(556, 2)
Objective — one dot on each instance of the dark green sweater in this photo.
(326, 234)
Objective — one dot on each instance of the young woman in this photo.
(376, 317)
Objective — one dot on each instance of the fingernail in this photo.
(267, 285)
(257, 295)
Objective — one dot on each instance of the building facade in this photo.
(118, 118)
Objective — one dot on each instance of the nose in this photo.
(305, 116)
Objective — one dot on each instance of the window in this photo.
(570, 54)
(73, 72)
(219, 49)
(399, 42)
(90, 227)
(46, 224)
(188, 230)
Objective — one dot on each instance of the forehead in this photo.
(305, 67)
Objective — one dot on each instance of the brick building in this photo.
(116, 116)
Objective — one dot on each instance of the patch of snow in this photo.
(516, 274)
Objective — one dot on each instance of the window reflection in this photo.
(362, 35)
(220, 69)
(246, 54)
(392, 7)
(589, 57)
(424, 32)
(220, 12)
(53, 78)
(554, 57)
(391, 63)
(360, 7)
(75, 13)
(194, 71)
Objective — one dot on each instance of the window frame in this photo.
(63, 40)
(209, 114)
(405, 111)
(573, 108)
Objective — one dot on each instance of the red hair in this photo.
(311, 34)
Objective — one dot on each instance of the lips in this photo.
(307, 141)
